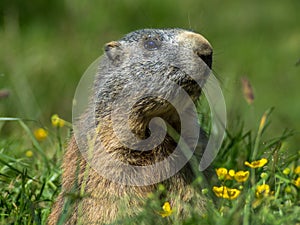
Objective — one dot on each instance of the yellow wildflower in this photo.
(241, 176)
(219, 191)
(56, 121)
(297, 170)
(262, 190)
(224, 174)
(297, 182)
(167, 210)
(29, 153)
(221, 173)
(257, 164)
(286, 171)
(40, 134)
(231, 173)
(225, 192)
(233, 193)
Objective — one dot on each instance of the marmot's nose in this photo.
(204, 51)
(200, 46)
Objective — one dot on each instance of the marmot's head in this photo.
(145, 71)
(172, 47)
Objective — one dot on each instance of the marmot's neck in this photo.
(139, 128)
(139, 125)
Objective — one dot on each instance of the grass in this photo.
(29, 177)
(29, 183)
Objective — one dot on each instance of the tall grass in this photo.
(29, 176)
(29, 183)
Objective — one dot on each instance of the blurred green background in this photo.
(45, 47)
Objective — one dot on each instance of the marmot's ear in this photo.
(113, 50)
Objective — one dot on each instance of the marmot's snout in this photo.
(202, 48)
(204, 51)
(199, 44)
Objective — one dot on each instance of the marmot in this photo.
(138, 61)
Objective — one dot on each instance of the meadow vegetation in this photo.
(45, 48)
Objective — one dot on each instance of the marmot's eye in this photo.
(152, 43)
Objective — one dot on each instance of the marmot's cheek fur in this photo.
(144, 61)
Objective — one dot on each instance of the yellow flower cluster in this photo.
(223, 175)
(239, 176)
(225, 192)
(167, 210)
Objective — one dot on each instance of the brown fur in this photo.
(100, 200)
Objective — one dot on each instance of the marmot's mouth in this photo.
(191, 87)
(207, 58)
(153, 106)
